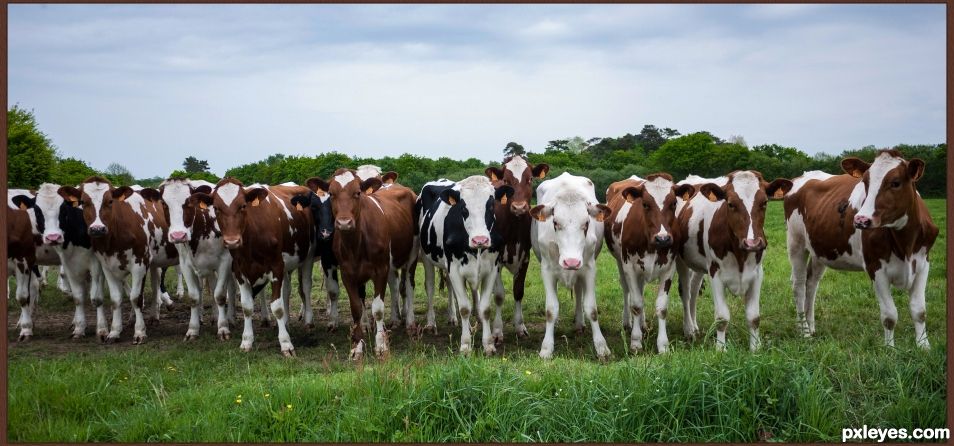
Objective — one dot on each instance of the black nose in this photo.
(663, 241)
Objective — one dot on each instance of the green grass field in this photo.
(793, 389)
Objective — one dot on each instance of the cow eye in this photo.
(895, 184)
(731, 206)
(646, 206)
(763, 205)
(672, 206)
(357, 194)
(557, 226)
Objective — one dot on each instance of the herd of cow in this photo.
(370, 228)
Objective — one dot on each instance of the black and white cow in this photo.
(320, 204)
(457, 234)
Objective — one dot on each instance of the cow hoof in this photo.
(25, 337)
(289, 353)
(490, 350)
(579, 330)
(357, 352)
(546, 354)
(246, 346)
(139, 339)
(453, 323)
(636, 346)
(310, 326)
(191, 337)
(663, 349)
(522, 332)
(152, 321)
(413, 330)
(76, 336)
(112, 338)
(465, 350)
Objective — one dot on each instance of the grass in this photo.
(793, 389)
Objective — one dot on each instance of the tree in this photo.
(195, 165)
(210, 177)
(557, 145)
(119, 175)
(650, 139)
(30, 153)
(513, 148)
(737, 139)
(576, 145)
(70, 172)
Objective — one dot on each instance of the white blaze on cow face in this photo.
(227, 192)
(517, 166)
(344, 178)
(368, 171)
(569, 215)
(475, 191)
(746, 185)
(48, 201)
(659, 188)
(883, 164)
(175, 193)
(96, 192)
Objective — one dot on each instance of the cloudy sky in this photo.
(149, 85)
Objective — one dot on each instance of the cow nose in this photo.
(571, 263)
(663, 240)
(519, 207)
(177, 236)
(54, 238)
(344, 224)
(97, 231)
(751, 244)
(862, 221)
(481, 241)
(232, 242)
(325, 234)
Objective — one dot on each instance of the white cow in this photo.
(566, 235)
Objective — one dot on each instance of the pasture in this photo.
(793, 389)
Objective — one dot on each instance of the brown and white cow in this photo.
(268, 238)
(871, 219)
(513, 221)
(640, 234)
(725, 239)
(128, 235)
(374, 235)
(21, 256)
(388, 179)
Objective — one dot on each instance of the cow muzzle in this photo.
(571, 264)
(863, 222)
(344, 224)
(519, 208)
(325, 234)
(753, 245)
(232, 242)
(97, 231)
(480, 241)
(178, 237)
(53, 238)
(663, 240)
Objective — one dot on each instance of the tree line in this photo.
(33, 159)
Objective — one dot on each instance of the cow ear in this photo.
(630, 194)
(778, 188)
(70, 194)
(503, 193)
(301, 201)
(205, 189)
(450, 196)
(371, 185)
(122, 193)
(712, 192)
(915, 169)
(541, 170)
(150, 194)
(685, 191)
(23, 202)
(599, 211)
(541, 212)
(390, 177)
(203, 199)
(494, 173)
(255, 196)
(318, 186)
(854, 167)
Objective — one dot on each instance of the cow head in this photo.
(656, 199)
(745, 198)
(346, 191)
(320, 203)
(471, 212)
(23, 200)
(180, 207)
(571, 215)
(48, 206)
(368, 171)
(889, 188)
(517, 173)
(97, 197)
(232, 202)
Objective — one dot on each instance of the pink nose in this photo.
(480, 241)
(344, 224)
(751, 244)
(571, 264)
(177, 236)
(862, 221)
(519, 207)
(232, 242)
(54, 238)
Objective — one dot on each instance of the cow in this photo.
(268, 238)
(640, 235)
(458, 234)
(513, 219)
(869, 219)
(128, 231)
(319, 202)
(373, 241)
(388, 179)
(21, 256)
(61, 226)
(202, 254)
(566, 236)
(722, 236)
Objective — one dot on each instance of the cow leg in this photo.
(78, 285)
(219, 295)
(231, 291)
(635, 306)
(491, 288)
(429, 291)
(407, 279)
(458, 289)
(62, 281)
(96, 296)
(519, 281)
(265, 313)
(163, 295)
(552, 310)
(180, 291)
(193, 287)
(137, 300)
(156, 281)
(721, 312)
(752, 297)
(662, 310)
(490, 335)
(889, 312)
(356, 299)
(248, 309)
(918, 306)
(394, 284)
(380, 283)
(627, 299)
(452, 307)
(797, 257)
(24, 281)
(279, 306)
(685, 292)
(586, 286)
(116, 290)
(331, 284)
(578, 298)
(695, 287)
(816, 269)
(304, 288)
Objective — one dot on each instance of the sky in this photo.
(148, 85)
